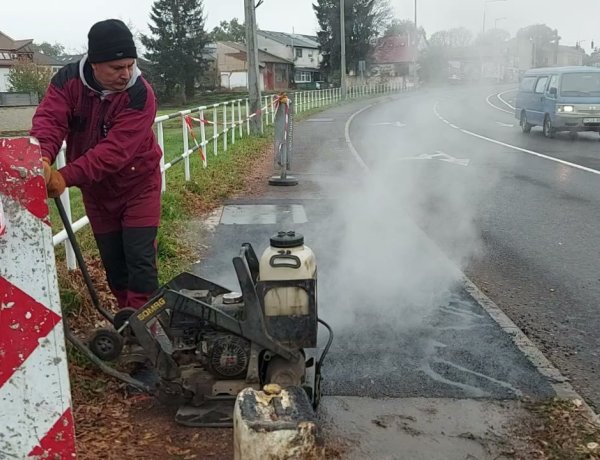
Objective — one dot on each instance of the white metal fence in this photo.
(220, 124)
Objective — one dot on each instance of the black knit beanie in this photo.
(110, 40)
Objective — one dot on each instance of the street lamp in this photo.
(485, 7)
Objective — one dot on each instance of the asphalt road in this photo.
(404, 324)
(521, 218)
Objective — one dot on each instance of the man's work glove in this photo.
(47, 169)
(56, 184)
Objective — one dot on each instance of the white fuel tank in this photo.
(287, 259)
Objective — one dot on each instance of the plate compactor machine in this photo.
(206, 343)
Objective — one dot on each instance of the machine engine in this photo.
(226, 356)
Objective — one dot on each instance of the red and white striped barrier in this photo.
(36, 420)
(204, 121)
(188, 121)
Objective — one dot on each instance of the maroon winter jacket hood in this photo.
(111, 147)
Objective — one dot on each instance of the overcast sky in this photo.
(68, 21)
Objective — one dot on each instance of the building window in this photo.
(303, 77)
(298, 52)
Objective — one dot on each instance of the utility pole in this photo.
(415, 47)
(483, 29)
(254, 95)
(343, 42)
(416, 16)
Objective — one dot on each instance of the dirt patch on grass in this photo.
(256, 182)
(558, 430)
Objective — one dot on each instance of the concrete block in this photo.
(275, 424)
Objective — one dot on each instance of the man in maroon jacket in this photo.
(105, 110)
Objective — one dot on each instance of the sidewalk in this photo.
(418, 369)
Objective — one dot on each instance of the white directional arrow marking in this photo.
(390, 123)
(506, 125)
(439, 155)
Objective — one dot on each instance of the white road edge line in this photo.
(487, 99)
(557, 381)
(514, 147)
(504, 101)
(349, 142)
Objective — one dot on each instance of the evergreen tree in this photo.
(405, 27)
(231, 31)
(175, 47)
(327, 12)
(365, 21)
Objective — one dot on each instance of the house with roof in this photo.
(232, 64)
(522, 55)
(14, 51)
(567, 56)
(302, 50)
(11, 51)
(393, 56)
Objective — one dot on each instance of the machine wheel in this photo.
(106, 344)
(122, 316)
(548, 129)
(525, 126)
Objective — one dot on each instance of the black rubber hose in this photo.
(82, 265)
(326, 349)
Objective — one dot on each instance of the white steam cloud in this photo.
(384, 267)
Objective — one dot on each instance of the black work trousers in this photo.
(129, 258)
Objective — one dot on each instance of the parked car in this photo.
(559, 99)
